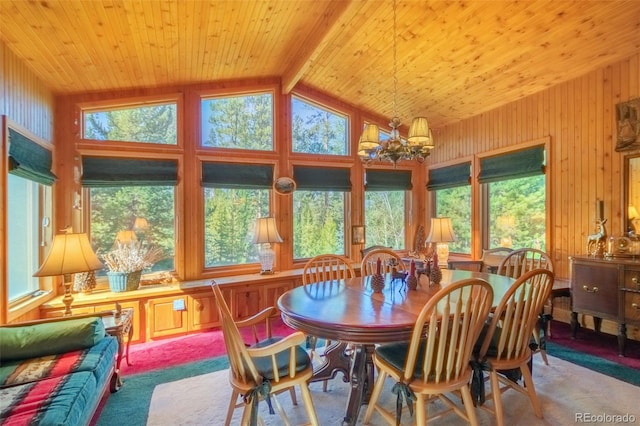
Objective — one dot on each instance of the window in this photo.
(316, 130)
(234, 196)
(132, 195)
(514, 189)
(154, 124)
(25, 233)
(241, 122)
(319, 211)
(452, 189)
(384, 207)
(28, 212)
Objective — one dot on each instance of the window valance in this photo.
(450, 176)
(239, 176)
(109, 171)
(29, 160)
(512, 165)
(322, 178)
(387, 180)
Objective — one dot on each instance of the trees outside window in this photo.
(517, 213)
(318, 223)
(317, 130)
(384, 213)
(241, 122)
(148, 124)
(229, 220)
(456, 203)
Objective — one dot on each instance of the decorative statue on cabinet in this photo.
(596, 242)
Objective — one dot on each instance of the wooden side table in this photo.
(119, 326)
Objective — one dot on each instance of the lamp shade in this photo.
(70, 253)
(419, 133)
(266, 231)
(370, 138)
(126, 236)
(441, 230)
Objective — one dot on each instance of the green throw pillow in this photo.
(52, 338)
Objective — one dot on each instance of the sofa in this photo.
(56, 371)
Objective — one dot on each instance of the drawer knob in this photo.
(635, 306)
(588, 290)
(634, 280)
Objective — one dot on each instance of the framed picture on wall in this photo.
(357, 234)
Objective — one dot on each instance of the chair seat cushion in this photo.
(395, 354)
(265, 367)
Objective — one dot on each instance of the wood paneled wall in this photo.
(582, 165)
(26, 101)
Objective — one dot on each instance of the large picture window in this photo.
(514, 190)
(319, 211)
(234, 196)
(241, 122)
(384, 207)
(135, 195)
(317, 130)
(452, 188)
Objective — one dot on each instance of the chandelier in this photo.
(417, 146)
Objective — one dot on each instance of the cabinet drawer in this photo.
(595, 289)
(631, 279)
(631, 307)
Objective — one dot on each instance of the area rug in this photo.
(566, 392)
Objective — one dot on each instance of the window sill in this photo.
(31, 304)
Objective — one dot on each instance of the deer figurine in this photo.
(595, 242)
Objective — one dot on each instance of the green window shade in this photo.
(384, 180)
(518, 164)
(239, 176)
(322, 178)
(450, 177)
(29, 160)
(103, 172)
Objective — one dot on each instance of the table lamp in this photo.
(441, 233)
(266, 233)
(69, 254)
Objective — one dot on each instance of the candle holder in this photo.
(412, 280)
(377, 283)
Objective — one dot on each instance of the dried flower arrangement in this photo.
(132, 256)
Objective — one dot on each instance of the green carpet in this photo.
(132, 401)
(601, 365)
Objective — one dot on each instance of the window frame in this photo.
(323, 106)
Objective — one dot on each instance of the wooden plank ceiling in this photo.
(455, 59)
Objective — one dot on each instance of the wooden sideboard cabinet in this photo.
(606, 288)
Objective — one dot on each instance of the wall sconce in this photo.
(266, 233)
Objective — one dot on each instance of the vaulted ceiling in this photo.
(455, 59)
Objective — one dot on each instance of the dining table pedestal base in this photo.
(361, 382)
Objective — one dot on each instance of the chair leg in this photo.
(294, 399)
(375, 395)
(531, 391)
(497, 397)
(421, 409)
(308, 404)
(468, 405)
(232, 406)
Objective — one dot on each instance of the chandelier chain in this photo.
(395, 62)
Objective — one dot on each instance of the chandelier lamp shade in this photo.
(419, 142)
(69, 254)
(265, 234)
(441, 233)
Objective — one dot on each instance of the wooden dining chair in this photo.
(516, 264)
(317, 271)
(436, 361)
(265, 368)
(504, 344)
(388, 261)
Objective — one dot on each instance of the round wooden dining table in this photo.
(355, 318)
